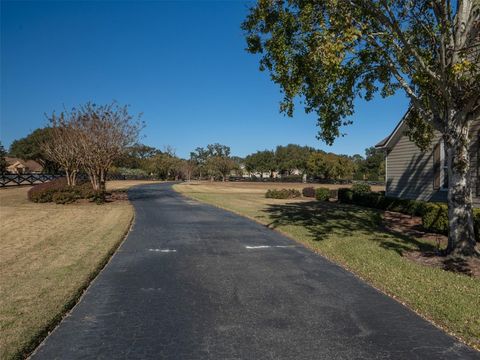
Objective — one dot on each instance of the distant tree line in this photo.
(58, 147)
(299, 160)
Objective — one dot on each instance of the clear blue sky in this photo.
(182, 64)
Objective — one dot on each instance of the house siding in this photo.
(410, 172)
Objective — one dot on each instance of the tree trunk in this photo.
(94, 180)
(461, 238)
(73, 178)
(103, 178)
(67, 173)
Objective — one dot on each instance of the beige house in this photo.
(19, 166)
(413, 174)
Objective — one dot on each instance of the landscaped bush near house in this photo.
(476, 223)
(322, 194)
(345, 195)
(361, 188)
(434, 215)
(378, 200)
(308, 192)
(282, 194)
(435, 219)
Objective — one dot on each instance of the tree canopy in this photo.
(29, 148)
(330, 52)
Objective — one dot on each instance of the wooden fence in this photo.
(32, 179)
(25, 179)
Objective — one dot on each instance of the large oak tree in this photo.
(330, 52)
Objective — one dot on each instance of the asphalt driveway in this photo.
(195, 282)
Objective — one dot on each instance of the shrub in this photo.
(291, 178)
(85, 190)
(58, 192)
(98, 197)
(361, 188)
(434, 215)
(64, 197)
(42, 193)
(282, 194)
(345, 195)
(476, 223)
(308, 192)
(435, 219)
(322, 194)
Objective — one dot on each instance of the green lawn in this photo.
(354, 238)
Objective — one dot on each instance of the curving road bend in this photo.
(195, 282)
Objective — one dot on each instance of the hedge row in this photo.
(282, 194)
(435, 219)
(434, 215)
(321, 194)
(380, 201)
(59, 192)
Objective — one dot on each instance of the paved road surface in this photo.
(191, 282)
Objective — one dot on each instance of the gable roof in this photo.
(397, 132)
(32, 165)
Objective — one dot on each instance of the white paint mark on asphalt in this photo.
(268, 246)
(163, 250)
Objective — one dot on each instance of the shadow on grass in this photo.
(323, 219)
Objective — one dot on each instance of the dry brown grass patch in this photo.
(48, 253)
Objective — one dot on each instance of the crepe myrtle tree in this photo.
(329, 52)
(104, 133)
(63, 145)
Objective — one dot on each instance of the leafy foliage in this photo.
(292, 157)
(282, 194)
(59, 192)
(64, 197)
(261, 162)
(328, 53)
(29, 148)
(308, 192)
(435, 219)
(214, 161)
(322, 194)
(43, 192)
(378, 200)
(329, 166)
(331, 52)
(361, 188)
(372, 167)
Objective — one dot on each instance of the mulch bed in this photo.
(412, 226)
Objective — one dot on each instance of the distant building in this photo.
(19, 166)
